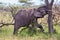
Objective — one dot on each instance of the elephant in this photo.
(25, 17)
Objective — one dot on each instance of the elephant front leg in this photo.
(38, 25)
(41, 27)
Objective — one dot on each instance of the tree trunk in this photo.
(50, 20)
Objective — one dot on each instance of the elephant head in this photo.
(43, 11)
(37, 14)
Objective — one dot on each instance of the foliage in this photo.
(23, 1)
(28, 31)
(26, 3)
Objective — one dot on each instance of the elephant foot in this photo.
(15, 33)
(42, 31)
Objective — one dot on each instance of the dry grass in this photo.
(26, 39)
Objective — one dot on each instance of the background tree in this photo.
(26, 2)
(50, 20)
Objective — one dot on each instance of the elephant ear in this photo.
(37, 15)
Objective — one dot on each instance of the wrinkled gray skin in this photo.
(25, 17)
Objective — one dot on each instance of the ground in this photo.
(6, 33)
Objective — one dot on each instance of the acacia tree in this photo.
(26, 3)
(50, 20)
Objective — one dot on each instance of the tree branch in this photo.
(51, 2)
(46, 2)
(3, 24)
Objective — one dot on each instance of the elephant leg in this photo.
(38, 25)
(41, 27)
(16, 27)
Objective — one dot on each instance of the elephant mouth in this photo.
(40, 16)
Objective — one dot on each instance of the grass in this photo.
(6, 33)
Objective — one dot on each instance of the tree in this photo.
(23, 1)
(26, 3)
(50, 20)
(12, 9)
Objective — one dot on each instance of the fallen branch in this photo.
(3, 24)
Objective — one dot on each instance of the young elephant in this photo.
(25, 17)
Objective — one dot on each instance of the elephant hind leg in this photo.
(16, 27)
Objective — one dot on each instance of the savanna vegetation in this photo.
(7, 25)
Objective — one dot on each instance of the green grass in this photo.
(6, 33)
